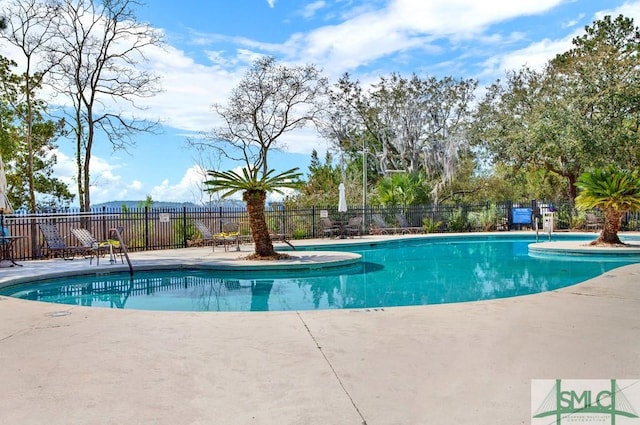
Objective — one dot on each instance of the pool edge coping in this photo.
(321, 260)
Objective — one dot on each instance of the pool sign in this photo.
(521, 215)
(585, 401)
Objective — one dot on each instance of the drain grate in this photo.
(58, 313)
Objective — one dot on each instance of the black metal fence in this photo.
(156, 228)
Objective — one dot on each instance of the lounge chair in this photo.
(380, 227)
(405, 227)
(205, 233)
(95, 248)
(329, 228)
(280, 237)
(55, 244)
(354, 227)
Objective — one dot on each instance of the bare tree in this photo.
(270, 101)
(100, 56)
(205, 159)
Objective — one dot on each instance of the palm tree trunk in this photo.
(609, 234)
(258, 224)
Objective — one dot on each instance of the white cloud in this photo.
(304, 141)
(312, 8)
(534, 56)
(106, 184)
(190, 89)
(573, 22)
(189, 188)
(538, 53)
(406, 24)
(630, 9)
(136, 185)
(271, 3)
(459, 16)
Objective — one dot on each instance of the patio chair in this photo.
(7, 251)
(93, 247)
(593, 222)
(329, 228)
(405, 227)
(230, 234)
(354, 227)
(55, 244)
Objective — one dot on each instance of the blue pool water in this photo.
(402, 273)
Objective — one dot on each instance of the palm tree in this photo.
(403, 189)
(254, 192)
(614, 192)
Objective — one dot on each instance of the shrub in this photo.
(458, 221)
(299, 233)
(488, 218)
(430, 225)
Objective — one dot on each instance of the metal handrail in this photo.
(123, 247)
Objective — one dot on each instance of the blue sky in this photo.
(209, 46)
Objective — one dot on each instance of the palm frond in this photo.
(609, 188)
(231, 182)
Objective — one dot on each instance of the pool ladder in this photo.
(123, 247)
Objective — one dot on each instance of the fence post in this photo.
(146, 227)
(104, 223)
(184, 226)
(35, 249)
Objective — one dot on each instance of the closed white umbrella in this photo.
(342, 203)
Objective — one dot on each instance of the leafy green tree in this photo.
(254, 189)
(526, 123)
(50, 192)
(30, 31)
(602, 74)
(614, 192)
(27, 142)
(580, 111)
(322, 182)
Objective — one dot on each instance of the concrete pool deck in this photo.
(467, 363)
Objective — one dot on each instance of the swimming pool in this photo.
(392, 273)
